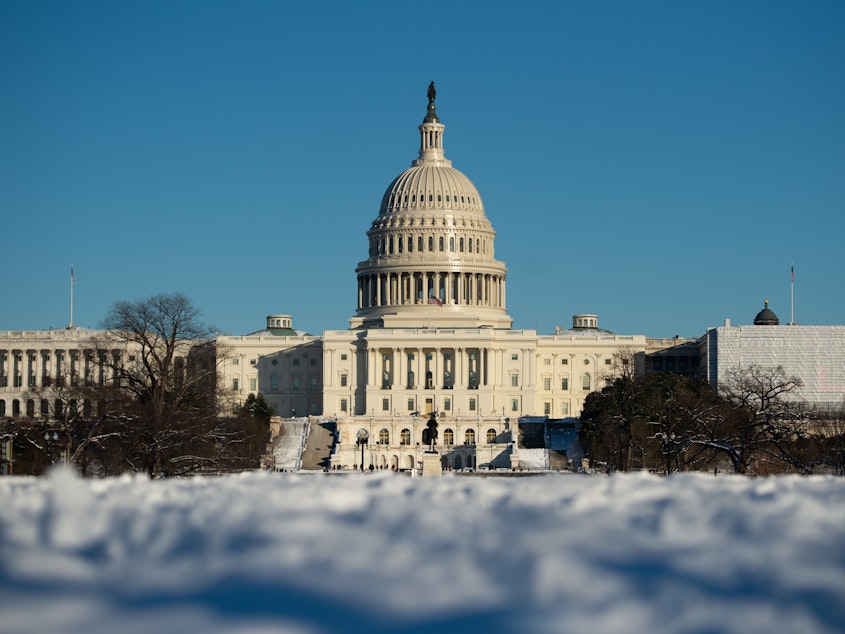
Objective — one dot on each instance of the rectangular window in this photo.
(296, 361)
(253, 362)
(295, 383)
(411, 407)
(472, 404)
(253, 384)
(564, 408)
(385, 404)
(564, 361)
(547, 383)
(342, 380)
(274, 382)
(343, 357)
(313, 362)
(564, 383)
(235, 384)
(447, 404)
(515, 380)
(514, 404)
(607, 361)
(343, 405)
(547, 409)
(314, 383)
(235, 361)
(547, 361)
(514, 357)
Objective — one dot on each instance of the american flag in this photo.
(792, 272)
(72, 275)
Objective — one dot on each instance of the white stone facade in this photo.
(815, 354)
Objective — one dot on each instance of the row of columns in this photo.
(28, 368)
(391, 368)
(452, 289)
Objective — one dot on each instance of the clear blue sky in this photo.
(657, 163)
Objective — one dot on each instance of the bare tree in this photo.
(765, 422)
(165, 409)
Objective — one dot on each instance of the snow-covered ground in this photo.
(264, 552)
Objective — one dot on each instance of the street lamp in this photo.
(50, 440)
(7, 448)
(363, 439)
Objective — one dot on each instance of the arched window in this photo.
(469, 244)
(431, 243)
(586, 380)
(420, 243)
(469, 437)
(448, 437)
(410, 244)
(45, 407)
(461, 245)
(405, 437)
(440, 243)
(491, 436)
(384, 437)
(452, 244)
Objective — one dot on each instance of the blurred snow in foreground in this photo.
(263, 552)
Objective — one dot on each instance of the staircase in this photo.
(318, 446)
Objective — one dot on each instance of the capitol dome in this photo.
(431, 245)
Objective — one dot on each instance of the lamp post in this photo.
(7, 448)
(363, 439)
(50, 440)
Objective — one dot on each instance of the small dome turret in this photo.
(766, 317)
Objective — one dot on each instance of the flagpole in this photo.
(792, 294)
(70, 325)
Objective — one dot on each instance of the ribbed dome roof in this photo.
(766, 317)
(431, 186)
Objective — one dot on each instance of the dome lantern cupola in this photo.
(766, 317)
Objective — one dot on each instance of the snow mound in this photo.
(263, 552)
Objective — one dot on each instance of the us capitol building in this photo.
(430, 335)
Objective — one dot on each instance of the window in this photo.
(313, 383)
(296, 361)
(235, 361)
(447, 404)
(469, 437)
(547, 383)
(253, 362)
(607, 361)
(440, 243)
(385, 404)
(515, 379)
(451, 244)
(547, 409)
(564, 361)
(430, 243)
(342, 380)
(564, 408)
(514, 357)
(313, 363)
(514, 404)
(235, 384)
(384, 437)
(274, 382)
(343, 405)
(491, 436)
(448, 437)
(405, 437)
(586, 362)
(586, 380)
(547, 361)
(564, 383)
(411, 407)
(472, 404)
(253, 384)
(295, 383)
(343, 357)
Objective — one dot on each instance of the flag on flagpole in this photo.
(433, 299)
(792, 272)
(72, 275)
